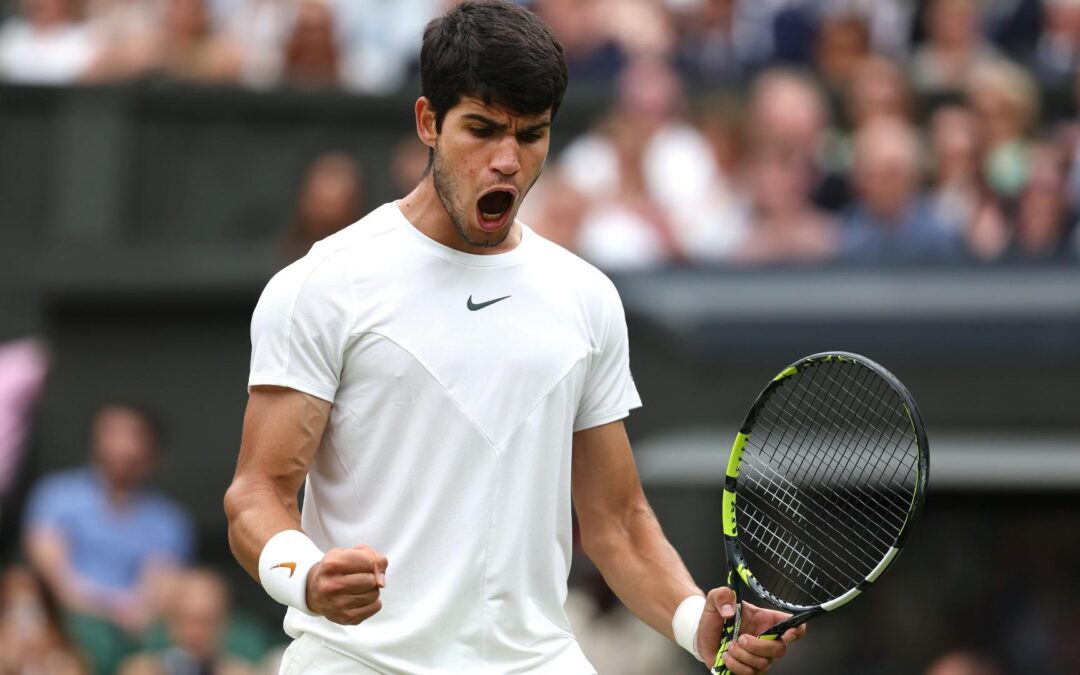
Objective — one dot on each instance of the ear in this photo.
(425, 122)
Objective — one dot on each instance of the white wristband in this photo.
(684, 623)
(284, 565)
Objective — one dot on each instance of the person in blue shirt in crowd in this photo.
(891, 220)
(103, 539)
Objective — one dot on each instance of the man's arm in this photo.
(282, 431)
(621, 535)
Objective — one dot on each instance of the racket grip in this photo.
(731, 631)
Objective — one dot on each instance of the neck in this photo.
(424, 209)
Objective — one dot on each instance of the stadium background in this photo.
(143, 206)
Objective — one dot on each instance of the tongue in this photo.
(495, 203)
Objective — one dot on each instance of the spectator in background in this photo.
(259, 29)
(955, 46)
(127, 31)
(103, 540)
(591, 52)
(890, 220)
(655, 193)
(1057, 53)
(331, 197)
(312, 54)
(842, 43)
(721, 120)
(787, 108)
(786, 227)
(45, 44)
(23, 366)
(196, 617)
(1044, 223)
(32, 637)
(878, 87)
(408, 164)
(556, 210)
(642, 29)
(963, 663)
(1005, 101)
(959, 199)
(713, 47)
(190, 49)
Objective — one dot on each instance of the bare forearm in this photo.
(642, 567)
(257, 512)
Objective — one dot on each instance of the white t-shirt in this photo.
(457, 381)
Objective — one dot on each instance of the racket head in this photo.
(825, 478)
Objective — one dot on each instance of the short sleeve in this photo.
(300, 329)
(610, 393)
(47, 505)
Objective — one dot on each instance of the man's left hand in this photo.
(749, 655)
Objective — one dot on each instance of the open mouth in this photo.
(494, 208)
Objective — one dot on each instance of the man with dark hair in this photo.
(102, 538)
(446, 379)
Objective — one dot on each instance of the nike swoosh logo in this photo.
(291, 566)
(473, 306)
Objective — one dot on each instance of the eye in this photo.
(480, 132)
(529, 138)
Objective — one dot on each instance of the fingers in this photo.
(794, 634)
(344, 586)
(749, 655)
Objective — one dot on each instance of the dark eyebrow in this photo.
(498, 126)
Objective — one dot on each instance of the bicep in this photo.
(282, 431)
(605, 483)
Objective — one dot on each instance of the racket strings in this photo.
(826, 481)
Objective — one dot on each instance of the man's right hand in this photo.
(344, 586)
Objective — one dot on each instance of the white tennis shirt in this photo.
(456, 382)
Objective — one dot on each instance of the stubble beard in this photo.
(447, 188)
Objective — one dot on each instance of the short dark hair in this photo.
(495, 51)
(147, 415)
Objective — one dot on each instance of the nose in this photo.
(506, 161)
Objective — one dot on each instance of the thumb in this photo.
(380, 572)
(722, 600)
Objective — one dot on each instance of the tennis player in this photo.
(446, 379)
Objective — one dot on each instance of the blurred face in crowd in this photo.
(955, 139)
(187, 20)
(44, 13)
(197, 614)
(485, 159)
(1062, 20)
(780, 180)
(649, 94)
(787, 110)
(332, 196)
(954, 24)
(123, 447)
(886, 169)
(878, 89)
(1041, 215)
(843, 42)
(312, 53)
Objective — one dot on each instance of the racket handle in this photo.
(731, 631)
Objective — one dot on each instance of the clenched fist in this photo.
(344, 586)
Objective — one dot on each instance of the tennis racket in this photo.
(826, 476)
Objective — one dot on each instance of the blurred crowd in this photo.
(102, 579)
(740, 132)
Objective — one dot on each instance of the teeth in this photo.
(490, 216)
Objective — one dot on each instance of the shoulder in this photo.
(572, 271)
(68, 483)
(331, 262)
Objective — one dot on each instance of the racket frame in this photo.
(740, 577)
